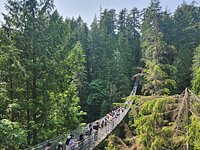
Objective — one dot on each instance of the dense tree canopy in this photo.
(57, 73)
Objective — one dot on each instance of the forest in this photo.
(58, 73)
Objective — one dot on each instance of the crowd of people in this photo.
(94, 130)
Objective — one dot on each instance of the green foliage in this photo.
(4, 99)
(186, 39)
(167, 122)
(51, 69)
(115, 143)
(12, 136)
(158, 80)
(98, 97)
(196, 81)
(194, 130)
(67, 112)
(153, 122)
(113, 53)
(40, 71)
(196, 71)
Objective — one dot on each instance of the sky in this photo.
(88, 8)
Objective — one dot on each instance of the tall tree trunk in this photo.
(28, 115)
(11, 91)
(34, 94)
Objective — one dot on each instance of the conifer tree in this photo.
(196, 71)
(186, 39)
(67, 114)
(95, 51)
(28, 19)
(127, 54)
(13, 136)
(39, 49)
(133, 28)
(102, 41)
(157, 78)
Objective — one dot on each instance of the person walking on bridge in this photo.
(60, 146)
(48, 147)
(67, 143)
(96, 127)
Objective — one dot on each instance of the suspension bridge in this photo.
(93, 140)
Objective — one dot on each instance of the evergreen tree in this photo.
(95, 51)
(166, 26)
(67, 112)
(157, 78)
(107, 26)
(13, 136)
(127, 54)
(50, 68)
(167, 122)
(123, 57)
(196, 71)
(102, 41)
(39, 71)
(133, 28)
(186, 39)
(78, 32)
(28, 18)
(96, 98)
(194, 136)
(96, 71)
(153, 127)
(122, 21)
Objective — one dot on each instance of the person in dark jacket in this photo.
(89, 130)
(96, 127)
(60, 146)
(67, 142)
(81, 138)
